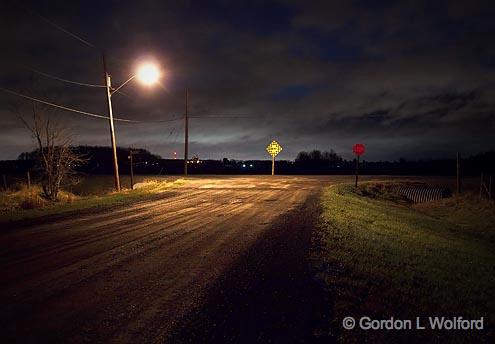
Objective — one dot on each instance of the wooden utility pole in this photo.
(186, 133)
(108, 84)
(132, 169)
(459, 186)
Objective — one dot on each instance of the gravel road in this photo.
(146, 272)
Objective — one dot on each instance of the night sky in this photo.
(412, 79)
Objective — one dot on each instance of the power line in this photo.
(225, 116)
(67, 32)
(163, 120)
(176, 136)
(171, 132)
(75, 82)
(82, 40)
(71, 34)
(58, 27)
(65, 80)
(63, 107)
(79, 111)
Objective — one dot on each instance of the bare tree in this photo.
(56, 157)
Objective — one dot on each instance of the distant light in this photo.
(148, 74)
(251, 165)
(243, 165)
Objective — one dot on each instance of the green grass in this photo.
(379, 256)
(12, 203)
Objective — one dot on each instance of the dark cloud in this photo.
(409, 79)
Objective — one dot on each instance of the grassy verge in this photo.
(28, 204)
(380, 257)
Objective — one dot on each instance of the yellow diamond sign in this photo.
(274, 148)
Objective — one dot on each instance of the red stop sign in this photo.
(358, 149)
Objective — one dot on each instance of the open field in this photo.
(98, 185)
(382, 258)
(101, 184)
(96, 191)
(226, 258)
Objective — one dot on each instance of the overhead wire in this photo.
(63, 107)
(71, 34)
(68, 32)
(65, 80)
(224, 116)
(176, 136)
(86, 113)
(78, 83)
(89, 44)
(58, 27)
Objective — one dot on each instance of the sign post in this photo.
(358, 150)
(273, 149)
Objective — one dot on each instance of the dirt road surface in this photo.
(150, 271)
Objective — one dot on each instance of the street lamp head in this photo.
(148, 74)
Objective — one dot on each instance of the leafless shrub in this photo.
(55, 155)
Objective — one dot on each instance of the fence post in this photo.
(4, 177)
(28, 179)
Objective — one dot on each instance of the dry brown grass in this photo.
(24, 203)
(24, 198)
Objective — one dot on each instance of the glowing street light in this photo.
(148, 74)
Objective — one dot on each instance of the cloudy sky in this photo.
(412, 79)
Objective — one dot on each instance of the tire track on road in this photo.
(134, 276)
